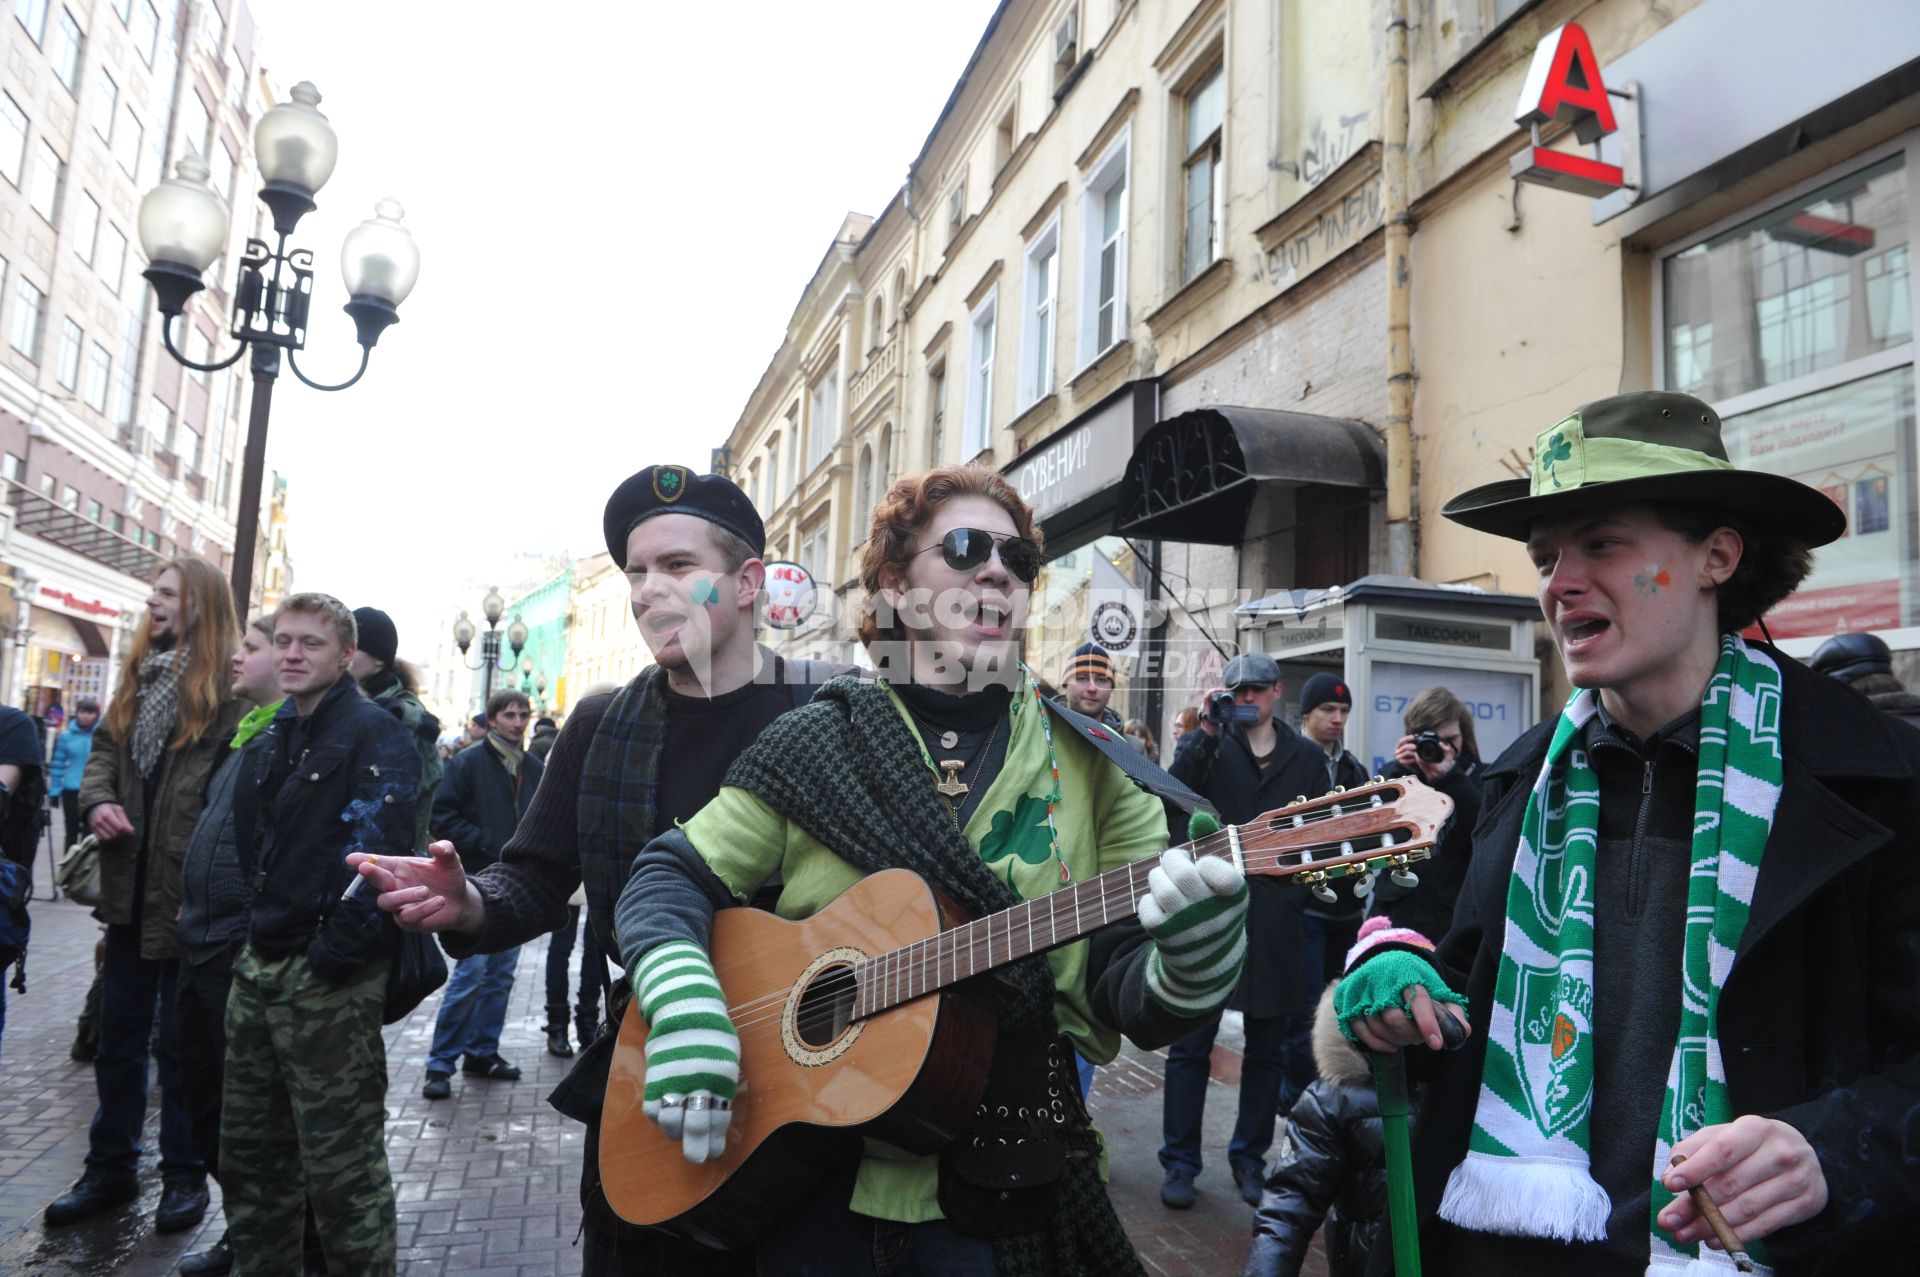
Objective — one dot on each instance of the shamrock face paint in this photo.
(1652, 579)
(704, 593)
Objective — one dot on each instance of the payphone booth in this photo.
(1393, 637)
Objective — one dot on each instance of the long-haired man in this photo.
(166, 726)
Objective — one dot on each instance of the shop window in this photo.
(1797, 325)
(11, 467)
(1091, 589)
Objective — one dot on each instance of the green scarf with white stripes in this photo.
(1526, 1171)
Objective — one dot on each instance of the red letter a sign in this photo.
(1564, 84)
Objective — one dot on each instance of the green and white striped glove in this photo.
(693, 1052)
(1196, 912)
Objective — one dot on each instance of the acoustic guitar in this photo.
(871, 1018)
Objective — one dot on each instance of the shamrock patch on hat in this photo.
(669, 482)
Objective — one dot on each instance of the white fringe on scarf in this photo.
(1526, 1197)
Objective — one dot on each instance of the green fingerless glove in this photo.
(1200, 824)
(1381, 982)
(691, 1044)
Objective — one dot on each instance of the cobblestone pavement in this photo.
(487, 1182)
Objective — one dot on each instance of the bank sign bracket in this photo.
(1564, 86)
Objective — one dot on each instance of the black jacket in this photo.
(1820, 1014)
(1222, 770)
(343, 779)
(478, 805)
(1332, 1166)
(1428, 907)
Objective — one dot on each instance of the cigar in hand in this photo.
(1710, 1211)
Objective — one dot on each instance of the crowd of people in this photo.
(1678, 923)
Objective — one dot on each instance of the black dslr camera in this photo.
(1429, 747)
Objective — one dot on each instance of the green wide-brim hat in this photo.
(1649, 445)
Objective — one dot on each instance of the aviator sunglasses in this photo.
(965, 549)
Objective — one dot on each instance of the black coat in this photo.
(346, 779)
(1820, 1014)
(478, 805)
(1222, 770)
(1332, 1168)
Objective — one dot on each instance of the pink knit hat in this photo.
(1379, 930)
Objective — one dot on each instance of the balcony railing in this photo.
(880, 365)
(50, 521)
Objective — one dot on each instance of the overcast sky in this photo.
(617, 206)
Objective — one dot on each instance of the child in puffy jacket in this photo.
(1333, 1164)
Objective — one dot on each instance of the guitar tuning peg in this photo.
(1363, 885)
(1405, 878)
(1339, 789)
(1297, 799)
(1323, 893)
(1378, 779)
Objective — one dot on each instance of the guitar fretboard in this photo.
(973, 948)
(1330, 837)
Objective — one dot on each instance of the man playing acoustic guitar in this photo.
(953, 765)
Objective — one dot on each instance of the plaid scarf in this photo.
(1526, 1171)
(618, 784)
(849, 771)
(159, 709)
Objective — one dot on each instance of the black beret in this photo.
(678, 490)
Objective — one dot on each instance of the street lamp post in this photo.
(183, 228)
(491, 607)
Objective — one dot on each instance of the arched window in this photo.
(879, 328)
(863, 496)
(883, 466)
(899, 292)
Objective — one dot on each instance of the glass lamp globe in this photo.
(463, 632)
(294, 143)
(517, 634)
(182, 220)
(379, 258)
(492, 606)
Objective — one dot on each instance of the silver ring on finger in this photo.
(672, 1101)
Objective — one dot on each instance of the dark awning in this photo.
(1193, 477)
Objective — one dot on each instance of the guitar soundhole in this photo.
(826, 1006)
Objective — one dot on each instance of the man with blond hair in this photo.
(305, 1111)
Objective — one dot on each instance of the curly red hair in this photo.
(905, 511)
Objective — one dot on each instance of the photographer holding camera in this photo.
(1245, 761)
(1439, 749)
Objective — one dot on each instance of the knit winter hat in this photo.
(1090, 657)
(1378, 932)
(1325, 689)
(378, 637)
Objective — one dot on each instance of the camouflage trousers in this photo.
(304, 1117)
